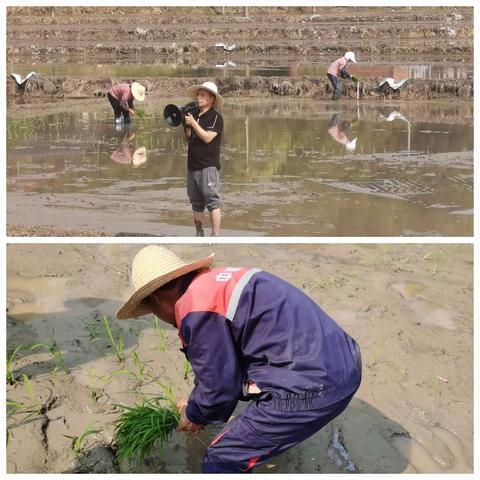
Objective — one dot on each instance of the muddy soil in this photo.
(252, 86)
(412, 319)
(81, 34)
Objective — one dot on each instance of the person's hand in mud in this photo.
(184, 424)
(131, 111)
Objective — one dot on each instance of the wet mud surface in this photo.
(413, 320)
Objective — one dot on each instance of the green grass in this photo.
(54, 352)
(142, 426)
(116, 341)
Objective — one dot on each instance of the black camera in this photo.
(176, 115)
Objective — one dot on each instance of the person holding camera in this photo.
(204, 133)
(337, 71)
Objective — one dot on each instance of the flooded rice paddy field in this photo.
(410, 415)
(288, 168)
(231, 66)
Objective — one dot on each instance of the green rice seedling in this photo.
(116, 343)
(162, 335)
(78, 443)
(187, 369)
(141, 366)
(54, 352)
(11, 360)
(142, 426)
(376, 355)
(92, 331)
(438, 387)
(30, 391)
(436, 257)
(140, 112)
(13, 406)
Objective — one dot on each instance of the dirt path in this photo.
(412, 319)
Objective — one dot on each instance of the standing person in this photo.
(204, 134)
(338, 70)
(249, 336)
(121, 99)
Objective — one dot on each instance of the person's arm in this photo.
(344, 72)
(212, 353)
(205, 135)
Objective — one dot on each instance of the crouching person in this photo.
(249, 336)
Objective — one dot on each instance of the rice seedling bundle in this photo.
(140, 427)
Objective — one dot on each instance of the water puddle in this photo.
(426, 311)
(298, 168)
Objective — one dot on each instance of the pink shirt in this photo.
(336, 67)
(122, 93)
(337, 134)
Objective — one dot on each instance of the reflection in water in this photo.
(282, 157)
(337, 132)
(128, 153)
(397, 115)
(233, 66)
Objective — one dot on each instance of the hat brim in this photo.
(192, 93)
(139, 96)
(135, 306)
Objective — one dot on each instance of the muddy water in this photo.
(300, 168)
(232, 66)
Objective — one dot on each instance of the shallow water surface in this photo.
(289, 167)
(230, 67)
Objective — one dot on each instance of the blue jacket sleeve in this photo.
(211, 350)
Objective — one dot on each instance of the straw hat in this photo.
(211, 87)
(138, 91)
(139, 156)
(153, 267)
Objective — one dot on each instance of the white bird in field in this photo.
(227, 64)
(392, 84)
(21, 82)
(228, 48)
(394, 116)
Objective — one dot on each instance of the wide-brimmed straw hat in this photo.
(153, 267)
(139, 156)
(211, 87)
(138, 91)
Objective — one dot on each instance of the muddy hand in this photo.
(184, 424)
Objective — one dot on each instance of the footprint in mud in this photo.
(444, 454)
(425, 310)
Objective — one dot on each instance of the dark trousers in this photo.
(337, 86)
(117, 109)
(262, 432)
